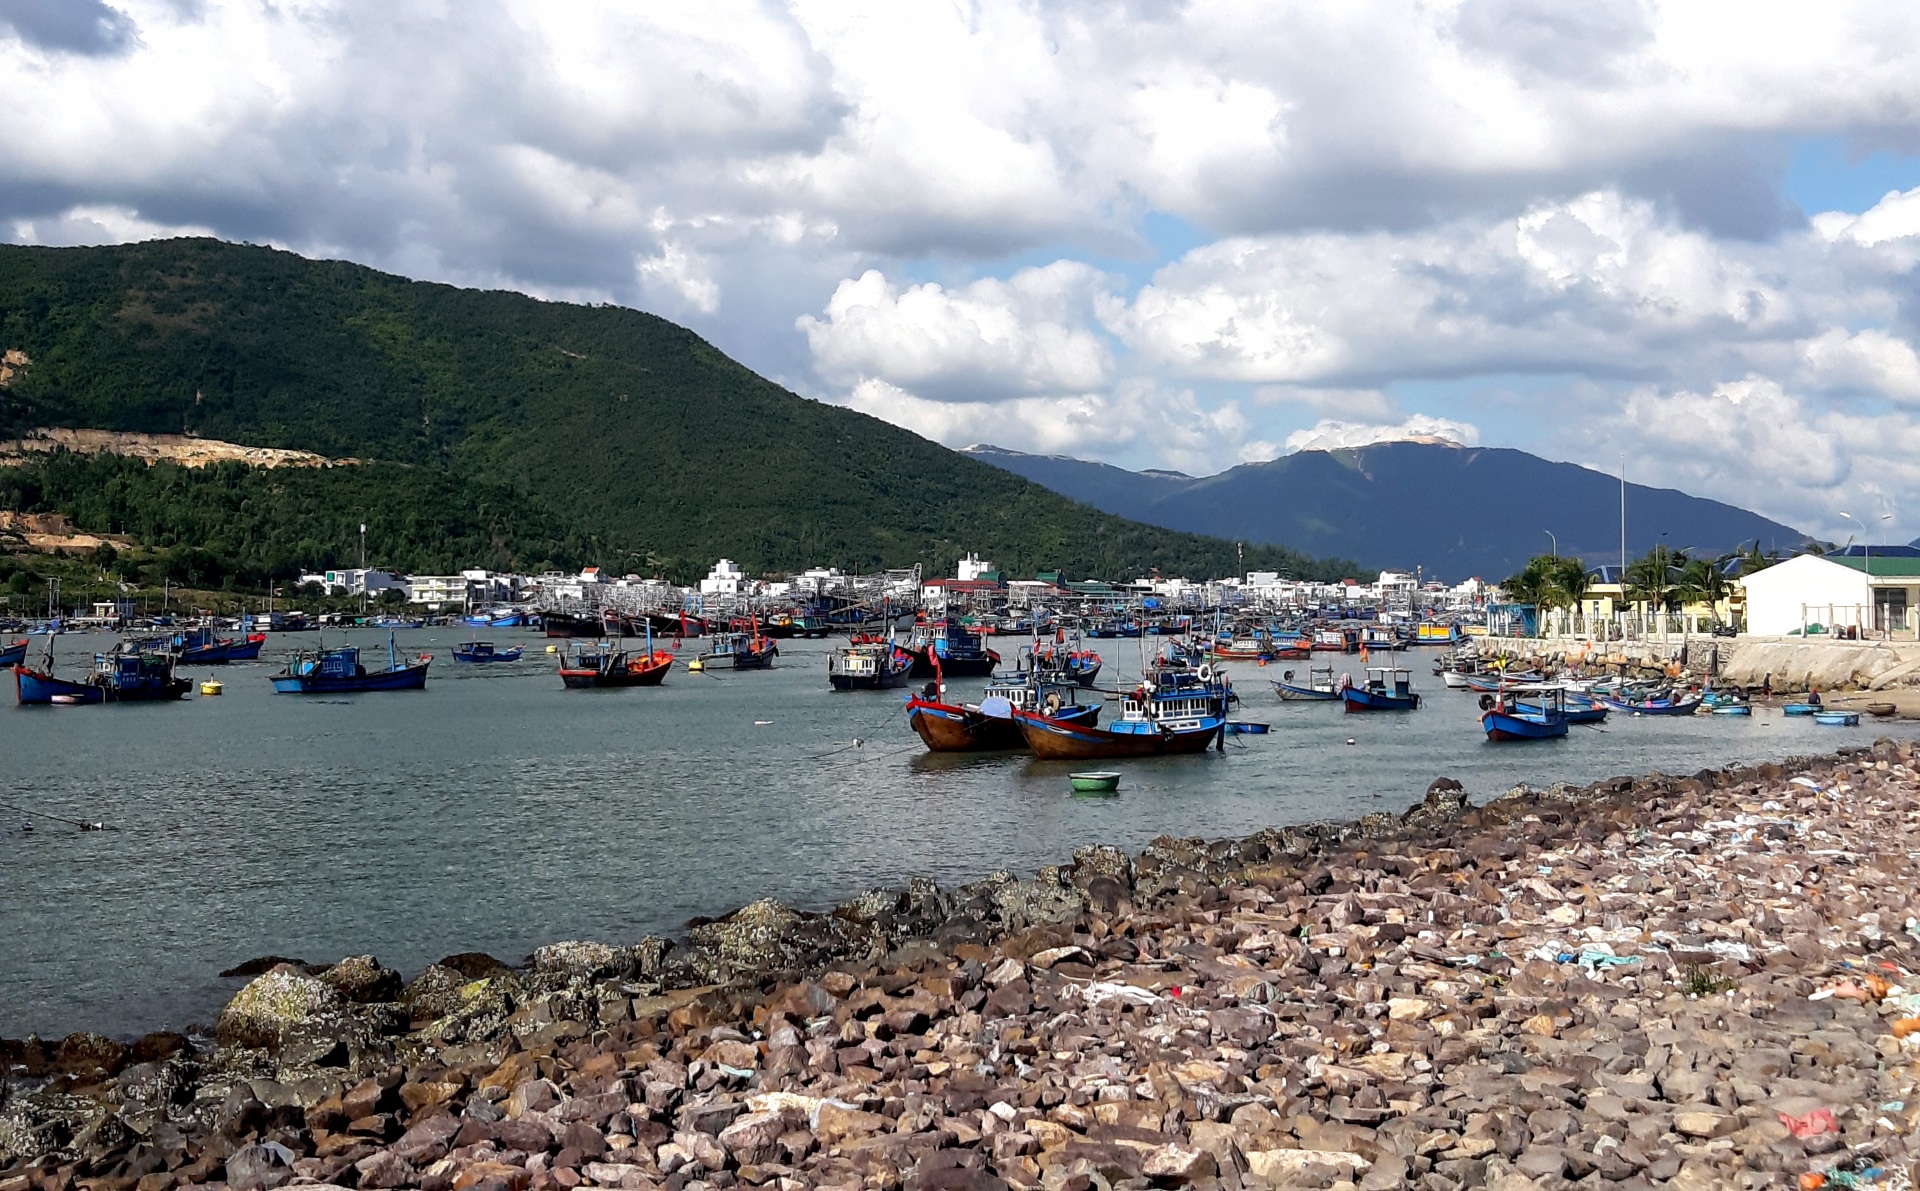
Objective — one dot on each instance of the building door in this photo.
(1889, 609)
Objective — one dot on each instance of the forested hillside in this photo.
(492, 428)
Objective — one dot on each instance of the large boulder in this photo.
(362, 980)
(274, 1004)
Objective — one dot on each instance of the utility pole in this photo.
(363, 568)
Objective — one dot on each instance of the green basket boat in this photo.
(1096, 782)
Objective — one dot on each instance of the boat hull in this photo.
(947, 728)
(1301, 694)
(883, 680)
(411, 677)
(1358, 699)
(972, 666)
(1685, 708)
(643, 672)
(35, 687)
(13, 655)
(481, 659)
(1502, 727)
(1058, 740)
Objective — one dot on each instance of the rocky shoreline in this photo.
(1661, 981)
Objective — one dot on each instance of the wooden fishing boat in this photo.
(946, 646)
(1172, 711)
(199, 647)
(871, 666)
(131, 673)
(340, 671)
(1386, 689)
(603, 668)
(989, 725)
(1429, 633)
(1542, 717)
(482, 652)
(1837, 719)
(1319, 687)
(742, 651)
(13, 655)
(568, 624)
(1652, 706)
(1801, 709)
(1340, 640)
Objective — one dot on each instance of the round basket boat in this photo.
(1095, 782)
(1881, 709)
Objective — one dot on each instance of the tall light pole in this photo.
(1554, 540)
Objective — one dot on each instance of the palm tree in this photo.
(1569, 581)
(1652, 579)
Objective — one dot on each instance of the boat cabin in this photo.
(1389, 680)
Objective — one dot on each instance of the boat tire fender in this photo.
(1052, 706)
(1206, 672)
(1486, 703)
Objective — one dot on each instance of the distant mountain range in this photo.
(1452, 511)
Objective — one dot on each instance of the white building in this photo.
(974, 567)
(354, 581)
(726, 578)
(1789, 596)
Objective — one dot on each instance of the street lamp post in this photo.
(1554, 540)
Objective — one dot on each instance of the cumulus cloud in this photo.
(1330, 435)
(1028, 334)
(1137, 424)
(1756, 443)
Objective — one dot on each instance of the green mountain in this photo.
(493, 429)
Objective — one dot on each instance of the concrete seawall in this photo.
(1790, 663)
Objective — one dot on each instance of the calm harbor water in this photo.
(496, 812)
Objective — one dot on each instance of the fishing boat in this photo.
(1527, 713)
(134, 672)
(742, 651)
(1319, 687)
(1493, 679)
(1732, 709)
(13, 655)
(340, 671)
(498, 617)
(1579, 709)
(1173, 710)
(568, 624)
(1081, 666)
(1837, 719)
(1380, 636)
(479, 652)
(1652, 704)
(199, 647)
(1337, 640)
(1801, 709)
(871, 666)
(607, 667)
(990, 724)
(958, 650)
(1386, 689)
(1429, 633)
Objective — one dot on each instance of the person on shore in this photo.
(1813, 696)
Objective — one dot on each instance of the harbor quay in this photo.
(1687, 981)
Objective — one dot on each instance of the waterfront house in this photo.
(1834, 592)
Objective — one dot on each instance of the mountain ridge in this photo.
(1434, 505)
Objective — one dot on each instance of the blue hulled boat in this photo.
(339, 671)
(132, 673)
(1386, 689)
(1508, 717)
(13, 655)
(483, 651)
(199, 647)
(1662, 705)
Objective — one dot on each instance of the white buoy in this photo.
(1349, 740)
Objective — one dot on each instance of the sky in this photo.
(1676, 237)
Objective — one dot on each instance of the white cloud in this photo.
(1330, 435)
(97, 224)
(1869, 361)
(1137, 423)
(1026, 335)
